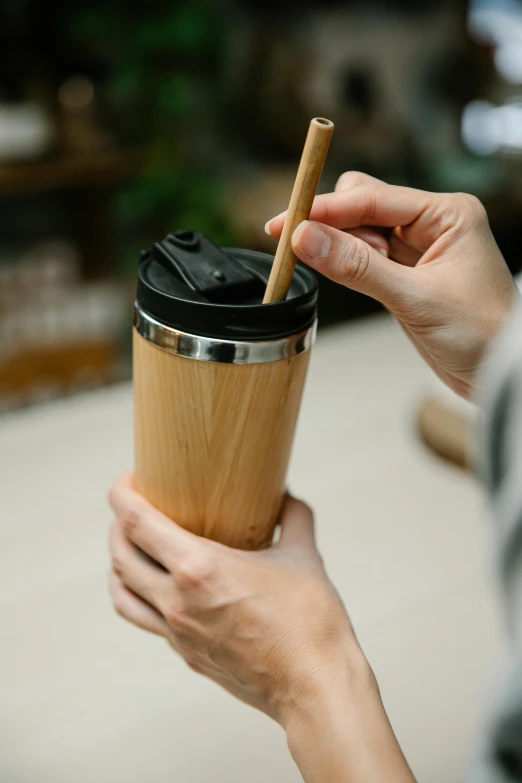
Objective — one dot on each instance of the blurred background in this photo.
(122, 120)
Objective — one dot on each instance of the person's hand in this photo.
(450, 288)
(268, 626)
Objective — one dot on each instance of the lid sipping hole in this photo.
(186, 239)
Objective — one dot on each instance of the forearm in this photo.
(343, 735)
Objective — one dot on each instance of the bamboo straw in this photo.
(305, 187)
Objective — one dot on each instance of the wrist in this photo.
(318, 679)
(341, 732)
(349, 675)
(347, 688)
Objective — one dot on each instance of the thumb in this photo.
(297, 524)
(350, 261)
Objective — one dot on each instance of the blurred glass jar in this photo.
(37, 270)
(26, 131)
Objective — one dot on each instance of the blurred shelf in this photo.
(87, 179)
(88, 170)
(54, 370)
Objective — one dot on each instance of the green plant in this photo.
(162, 64)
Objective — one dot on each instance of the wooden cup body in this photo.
(213, 441)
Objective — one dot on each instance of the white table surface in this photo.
(86, 698)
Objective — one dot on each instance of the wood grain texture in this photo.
(213, 441)
(303, 194)
(447, 431)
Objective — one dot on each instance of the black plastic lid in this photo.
(187, 282)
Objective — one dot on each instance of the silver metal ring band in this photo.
(208, 349)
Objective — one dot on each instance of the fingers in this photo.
(134, 609)
(371, 204)
(188, 560)
(351, 179)
(139, 574)
(390, 247)
(348, 180)
(395, 247)
(348, 260)
(297, 524)
(372, 238)
(400, 251)
(145, 526)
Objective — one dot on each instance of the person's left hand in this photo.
(268, 626)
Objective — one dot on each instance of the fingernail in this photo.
(383, 252)
(311, 239)
(269, 223)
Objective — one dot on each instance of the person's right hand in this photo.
(450, 288)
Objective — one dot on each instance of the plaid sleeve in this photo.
(501, 756)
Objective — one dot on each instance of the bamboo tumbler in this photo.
(218, 380)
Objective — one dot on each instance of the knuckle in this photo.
(118, 601)
(118, 596)
(195, 571)
(117, 565)
(130, 522)
(353, 261)
(178, 619)
(175, 617)
(350, 179)
(347, 180)
(119, 606)
(471, 207)
(370, 209)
